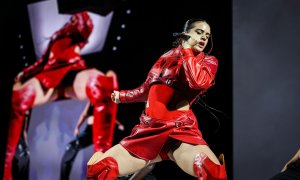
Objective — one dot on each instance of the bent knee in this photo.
(106, 168)
(95, 158)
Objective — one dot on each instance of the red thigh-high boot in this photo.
(22, 100)
(106, 169)
(99, 89)
(205, 169)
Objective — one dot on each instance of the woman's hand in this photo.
(19, 77)
(115, 97)
(76, 131)
(189, 43)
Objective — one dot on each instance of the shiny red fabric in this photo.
(162, 101)
(184, 72)
(60, 56)
(106, 169)
(206, 169)
(148, 138)
(21, 102)
(99, 89)
(191, 74)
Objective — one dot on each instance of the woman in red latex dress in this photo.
(168, 128)
(61, 73)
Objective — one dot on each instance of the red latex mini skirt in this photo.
(153, 137)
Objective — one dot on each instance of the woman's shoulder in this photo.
(170, 52)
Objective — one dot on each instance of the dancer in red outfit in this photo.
(168, 128)
(85, 138)
(61, 73)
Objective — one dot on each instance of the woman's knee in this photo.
(192, 150)
(97, 156)
(123, 160)
(192, 159)
(107, 168)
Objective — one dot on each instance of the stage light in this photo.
(128, 11)
(21, 46)
(118, 38)
(123, 26)
(114, 48)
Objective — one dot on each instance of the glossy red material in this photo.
(21, 102)
(178, 68)
(188, 75)
(99, 89)
(61, 56)
(106, 169)
(205, 169)
(148, 138)
(162, 102)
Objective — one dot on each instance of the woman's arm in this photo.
(30, 71)
(139, 94)
(200, 72)
(293, 159)
(82, 118)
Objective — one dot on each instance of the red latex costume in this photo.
(59, 59)
(60, 56)
(180, 69)
(99, 89)
(177, 75)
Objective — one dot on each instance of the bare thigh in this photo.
(127, 163)
(185, 154)
(78, 89)
(41, 96)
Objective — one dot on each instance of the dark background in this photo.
(148, 34)
(266, 86)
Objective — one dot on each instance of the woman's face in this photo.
(200, 34)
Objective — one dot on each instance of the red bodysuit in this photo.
(60, 56)
(161, 101)
(59, 60)
(177, 76)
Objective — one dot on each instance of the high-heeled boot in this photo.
(106, 169)
(99, 90)
(22, 100)
(206, 169)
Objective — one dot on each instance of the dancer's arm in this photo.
(81, 119)
(293, 159)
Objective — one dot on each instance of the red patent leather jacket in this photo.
(61, 48)
(178, 68)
